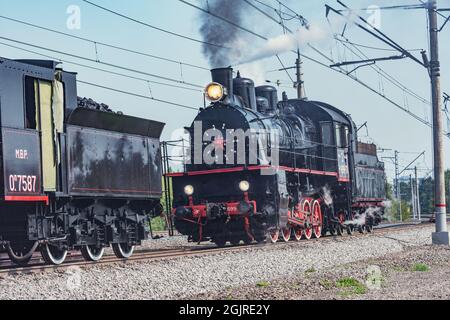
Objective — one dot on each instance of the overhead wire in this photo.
(99, 69)
(96, 43)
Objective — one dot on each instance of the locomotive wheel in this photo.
(307, 209)
(362, 229)
(298, 233)
(122, 250)
(92, 253)
(220, 242)
(286, 234)
(317, 219)
(340, 228)
(52, 254)
(274, 235)
(21, 252)
(333, 231)
(350, 229)
(308, 233)
(235, 242)
(247, 240)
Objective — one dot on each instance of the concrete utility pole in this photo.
(417, 195)
(441, 235)
(300, 83)
(413, 197)
(398, 194)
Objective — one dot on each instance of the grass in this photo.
(351, 286)
(420, 267)
(310, 270)
(327, 284)
(158, 224)
(262, 284)
(399, 269)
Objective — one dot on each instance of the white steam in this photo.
(283, 43)
(360, 219)
(327, 197)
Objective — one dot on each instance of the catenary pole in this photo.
(441, 235)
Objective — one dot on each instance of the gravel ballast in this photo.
(203, 276)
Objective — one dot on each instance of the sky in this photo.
(387, 126)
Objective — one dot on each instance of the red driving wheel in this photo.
(308, 232)
(317, 219)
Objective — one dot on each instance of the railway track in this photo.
(75, 259)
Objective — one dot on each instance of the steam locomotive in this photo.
(73, 174)
(324, 179)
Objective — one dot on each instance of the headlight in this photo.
(215, 92)
(189, 190)
(244, 186)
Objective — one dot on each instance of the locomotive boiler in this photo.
(73, 174)
(307, 174)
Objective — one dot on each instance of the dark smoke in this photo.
(220, 32)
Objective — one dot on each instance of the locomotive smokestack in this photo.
(224, 76)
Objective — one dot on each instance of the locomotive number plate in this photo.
(21, 162)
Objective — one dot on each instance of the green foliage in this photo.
(394, 211)
(310, 270)
(426, 194)
(163, 198)
(420, 267)
(262, 284)
(351, 286)
(158, 224)
(327, 284)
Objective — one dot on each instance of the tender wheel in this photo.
(21, 252)
(274, 235)
(53, 254)
(122, 250)
(92, 253)
(317, 219)
(298, 233)
(286, 234)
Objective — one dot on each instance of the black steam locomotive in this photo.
(324, 180)
(73, 174)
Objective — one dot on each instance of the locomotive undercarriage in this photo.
(88, 226)
(311, 212)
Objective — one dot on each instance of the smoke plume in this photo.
(220, 32)
(235, 47)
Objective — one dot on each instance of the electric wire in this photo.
(101, 62)
(152, 26)
(95, 42)
(99, 69)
